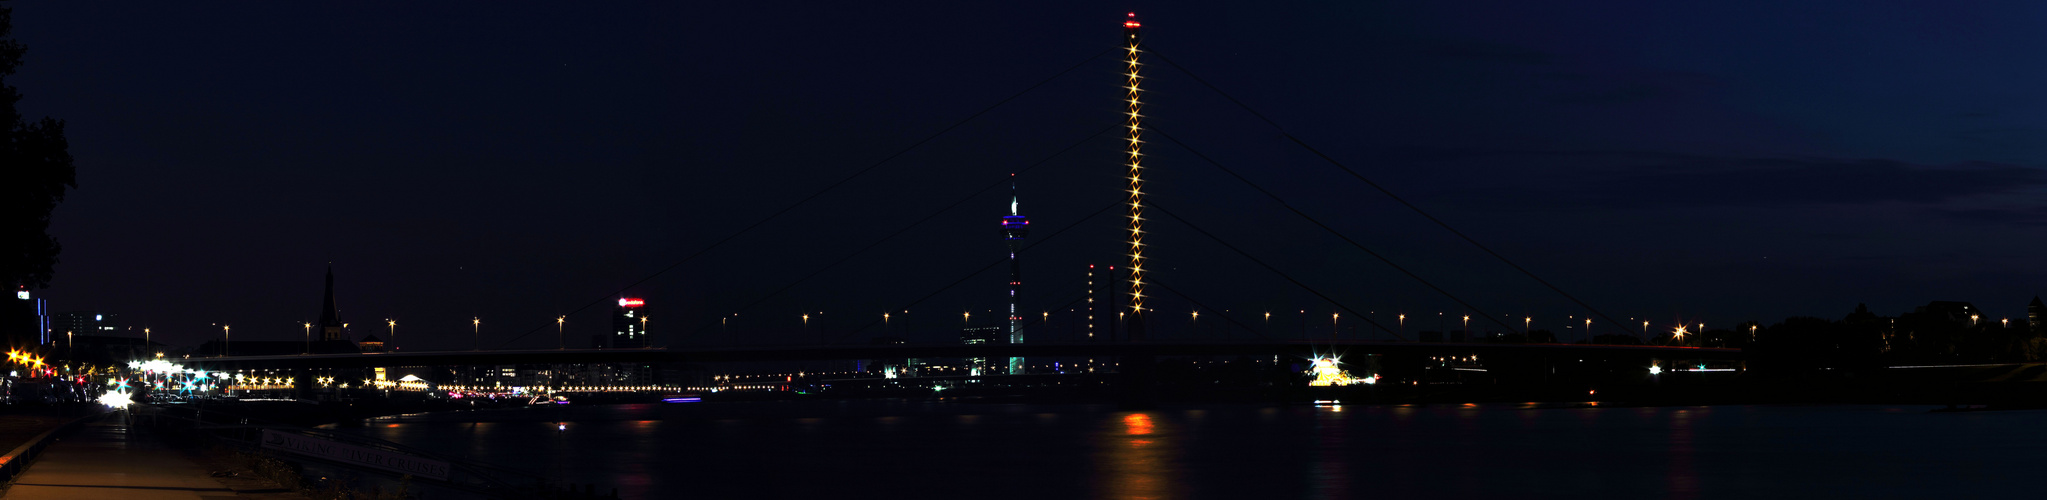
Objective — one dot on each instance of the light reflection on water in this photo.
(909, 450)
(1136, 460)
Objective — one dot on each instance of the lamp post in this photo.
(476, 333)
(309, 336)
(394, 332)
(643, 332)
(1588, 330)
(1333, 328)
(561, 338)
(226, 337)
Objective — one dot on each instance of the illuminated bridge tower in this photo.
(1014, 228)
(1135, 324)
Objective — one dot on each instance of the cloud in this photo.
(1481, 51)
(1630, 179)
(2017, 216)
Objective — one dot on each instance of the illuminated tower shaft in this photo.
(1014, 228)
(1136, 123)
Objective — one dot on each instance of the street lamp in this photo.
(560, 337)
(225, 338)
(1588, 330)
(1527, 322)
(309, 336)
(394, 333)
(476, 333)
(649, 342)
(1333, 328)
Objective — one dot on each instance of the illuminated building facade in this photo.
(977, 336)
(86, 323)
(1014, 228)
(25, 320)
(628, 325)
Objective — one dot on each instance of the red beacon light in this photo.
(1132, 22)
(631, 302)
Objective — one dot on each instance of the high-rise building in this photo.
(628, 325)
(1014, 228)
(86, 323)
(2035, 312)
(25, 320)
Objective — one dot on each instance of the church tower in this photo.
(330, 317)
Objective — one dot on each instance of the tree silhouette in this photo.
(35, 170)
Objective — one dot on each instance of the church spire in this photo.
(330, 316)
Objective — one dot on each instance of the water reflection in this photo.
(1329, 477)
(1684, 481)
(1137, 460)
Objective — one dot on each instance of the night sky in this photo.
(1706, 162)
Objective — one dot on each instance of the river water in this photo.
(878, 449)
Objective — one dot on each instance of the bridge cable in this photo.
(1325, 227)
(1382, 189)
(821, 192)
(1268, 267)
(985, 269)
(899, 232)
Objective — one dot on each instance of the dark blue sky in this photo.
(1714, 162)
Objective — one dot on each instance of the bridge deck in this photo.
(1300, 348)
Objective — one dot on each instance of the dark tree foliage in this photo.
(35, 170)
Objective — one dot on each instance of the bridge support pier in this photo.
(1137, 381)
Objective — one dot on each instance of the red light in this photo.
(631, 302)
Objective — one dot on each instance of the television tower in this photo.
(1014, 228)
(1135, 325)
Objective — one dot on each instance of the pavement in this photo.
(104, 460)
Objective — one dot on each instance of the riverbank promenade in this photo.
(104, 460)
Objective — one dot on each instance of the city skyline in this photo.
(1689, 185)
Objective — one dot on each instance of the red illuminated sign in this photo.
(631, 302)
